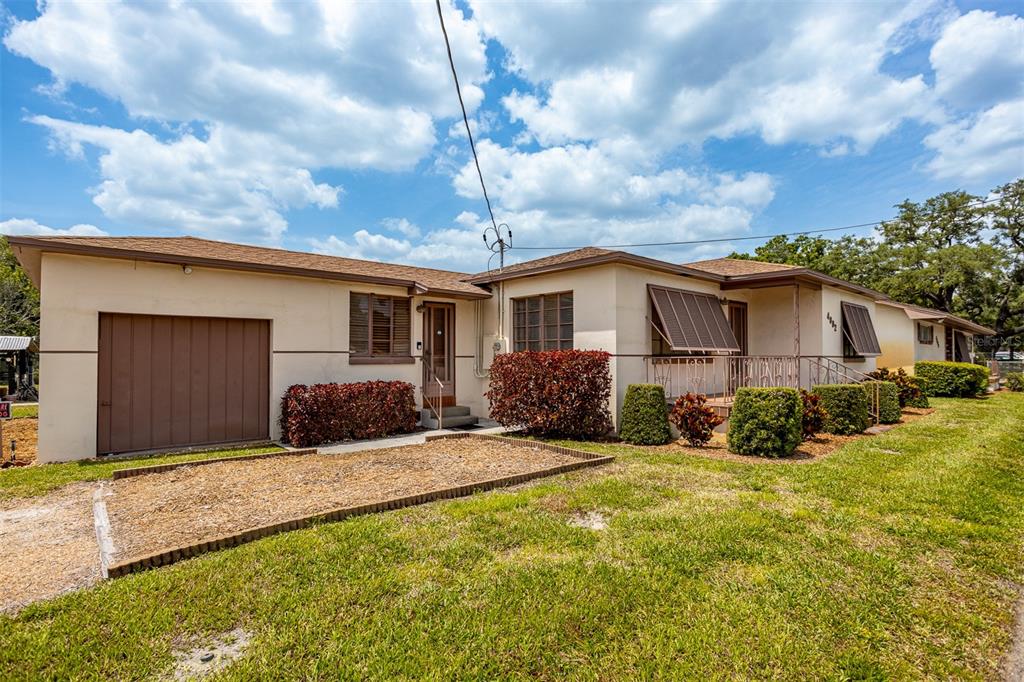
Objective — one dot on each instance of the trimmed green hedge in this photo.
(1014, 381)
(847, 408)
(645, 415)
(766, 422)
(952, 379)
(888, 398)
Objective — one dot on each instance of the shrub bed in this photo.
(888, 400)
(552, 393)
(846, 406)
(813, 414)
(695, 420)
(910, 393)
(327, 413)
(765, 421)
(645, 415)
(1015, 381)
(952, 379)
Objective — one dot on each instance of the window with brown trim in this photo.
(379, 327)
(925, 333)
(542, 322)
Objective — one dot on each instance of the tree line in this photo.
(956, 252)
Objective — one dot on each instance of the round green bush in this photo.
(888, 400)
(952, 379)
(645, 415)
(1015, 381)
(847, 408)
(766, 422)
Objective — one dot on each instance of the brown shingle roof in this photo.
(193, 250)
(917, 312)
(587, 256)
(733, 267)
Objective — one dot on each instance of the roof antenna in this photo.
(498, 239)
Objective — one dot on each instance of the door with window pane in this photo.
(439, 352)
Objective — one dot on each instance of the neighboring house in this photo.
(909, 333)
(152, 343)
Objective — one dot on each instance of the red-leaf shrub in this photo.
(327, 413)
(694, 419)
(552, 393)
(814, 414)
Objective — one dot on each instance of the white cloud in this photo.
(979, 60)
(29, 227)
(989, 146)
(364, 245)
(283, 89)
(665, 74)
(210, 187)
(401, 226)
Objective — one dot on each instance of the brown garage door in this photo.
(175, 381)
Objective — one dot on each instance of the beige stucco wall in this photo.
(309, 333)
(936, 350)
(897, 337)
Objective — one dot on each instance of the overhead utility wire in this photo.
(465, 118)
(719, 239)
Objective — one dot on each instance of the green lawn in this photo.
(895, 557)
(21, 411)
(37, 480)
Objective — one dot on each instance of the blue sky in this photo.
(335, 128)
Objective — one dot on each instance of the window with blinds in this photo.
(379, 326)
(542, 322)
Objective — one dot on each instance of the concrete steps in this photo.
(451, 417)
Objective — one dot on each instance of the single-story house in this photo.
(910, 333)
(151, 343)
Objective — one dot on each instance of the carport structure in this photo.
(16, 352)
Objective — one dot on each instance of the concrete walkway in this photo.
(487, 427)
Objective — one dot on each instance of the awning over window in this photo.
(692, 321)
(859, 331)
(963, 348)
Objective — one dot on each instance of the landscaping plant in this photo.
(888, 400)
(552, 393)
(910, 393)
(766, 422)
(645, 416)
(695, 420)
(814, 414)
(1015, 381)
(327, 413)
(952, 379)
(846, 407)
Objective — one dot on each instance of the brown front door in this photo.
(439, 353)
(738, 322)
(180, 381)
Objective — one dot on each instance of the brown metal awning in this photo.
(692, 321)
(859, 331)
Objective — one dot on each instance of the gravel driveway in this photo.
(47, 545)
(161, 511)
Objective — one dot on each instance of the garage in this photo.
(174, 381)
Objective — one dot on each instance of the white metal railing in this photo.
(439, 408)
(718, 376)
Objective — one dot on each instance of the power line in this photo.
(465, 117)
(718, 240)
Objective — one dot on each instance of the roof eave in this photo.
(617, 257)
(126, 254)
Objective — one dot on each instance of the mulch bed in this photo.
(155, 512)
(47, 545)
(24, 431)
(813, 450)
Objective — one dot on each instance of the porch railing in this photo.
(718, 376)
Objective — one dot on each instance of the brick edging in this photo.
(160, 468)
(170, 556)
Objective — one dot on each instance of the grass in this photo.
(41, 479)
(25, 411)
(893, 558)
